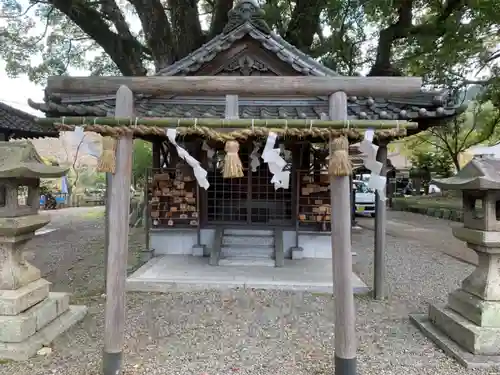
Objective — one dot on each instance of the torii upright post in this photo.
(340, 193)
(119, 207)
(379, 283)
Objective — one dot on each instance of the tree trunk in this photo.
(126, 53)
(456, 162)
(186, 27)
(220, 17)
(403, 28)
(157, 31)
(304, 23)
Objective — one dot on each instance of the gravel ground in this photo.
(249, 331)
(436, 233)
(72, 257)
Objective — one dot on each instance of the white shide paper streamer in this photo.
(87, 147)
(255, 157)
(376, 181)
(199, 172)
(271, 156)
(210, 153)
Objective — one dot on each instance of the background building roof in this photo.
(18, 124)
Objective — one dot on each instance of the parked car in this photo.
(364, 198)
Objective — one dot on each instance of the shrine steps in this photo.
(246, 261)
(248, 247)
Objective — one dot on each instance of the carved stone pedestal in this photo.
(30, 316)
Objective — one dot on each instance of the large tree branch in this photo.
(110, 9)
(304, 23)
(186, 26)
(157, 31)
(404, 28)
(126, 53)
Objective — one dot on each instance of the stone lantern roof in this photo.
(21, 160)
(479, 174)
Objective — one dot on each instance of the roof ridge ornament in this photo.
(246, 11)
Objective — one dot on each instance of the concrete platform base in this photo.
(184, 272)
(451, 348)
(22, 351)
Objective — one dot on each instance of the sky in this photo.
(16, 91)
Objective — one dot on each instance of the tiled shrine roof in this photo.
(425, 106)
(22, 124)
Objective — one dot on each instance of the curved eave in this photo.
(473, 183)
(207, 109)
(15, 123)
(33, 170)
(15, 134)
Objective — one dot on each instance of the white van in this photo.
(365, 198)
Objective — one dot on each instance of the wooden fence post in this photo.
(118, 228)
(345, 315)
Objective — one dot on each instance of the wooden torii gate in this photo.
(336, 88)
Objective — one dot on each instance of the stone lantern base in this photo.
(30, 316)
(468, 327)
(471, 345)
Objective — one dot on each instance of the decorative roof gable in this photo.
(247, 18)
(247, 12)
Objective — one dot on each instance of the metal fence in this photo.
(175, 200)
(250, 200)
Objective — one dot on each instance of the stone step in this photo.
(13, 302)
(18, 328)
(475, 339)
(21, 351)
(251, 232)
(247, 240)
(246, 261)
(247, 251)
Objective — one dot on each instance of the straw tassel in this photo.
(339, 163)
(232, 162)
(107, 160)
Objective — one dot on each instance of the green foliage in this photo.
(444, 42)
(431, 162)
(143, 160)
(477, 125)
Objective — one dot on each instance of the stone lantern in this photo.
(468, 327)
(30, 316)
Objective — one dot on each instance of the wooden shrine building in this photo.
(15, 124)
(245, 216)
